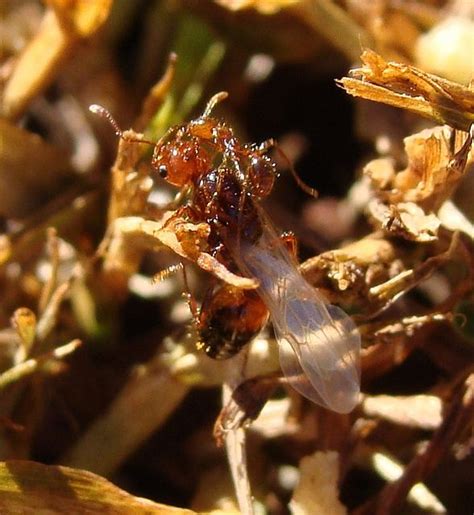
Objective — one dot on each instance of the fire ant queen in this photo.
(319, 345)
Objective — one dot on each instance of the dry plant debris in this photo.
(407, 87)
(29, 487)
(99, 368)
(317, 488)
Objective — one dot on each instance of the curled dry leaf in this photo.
(29, 487)
(210, 264)
(455, 220)
(188, 240)
(317, 492)
(409, 88)
(437, 161)
(131, 236)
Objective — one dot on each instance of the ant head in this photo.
(180, 161)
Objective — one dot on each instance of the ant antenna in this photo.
(215, 99)
(104, 113)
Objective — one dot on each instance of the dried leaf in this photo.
(210, 264)
(434, 169)
(30, 488)
(408, 326)
(409, 88)
(187, 240)
(405, 219)
(317, 491)
(353, 269)
(131, 185)
(184, 238)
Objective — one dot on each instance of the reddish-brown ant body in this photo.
(319, 345)
(224, 174)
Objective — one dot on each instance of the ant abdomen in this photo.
(230, 318)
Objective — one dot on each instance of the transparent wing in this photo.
(321, 362)
(319, 344)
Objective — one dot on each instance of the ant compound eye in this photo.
(163, 171)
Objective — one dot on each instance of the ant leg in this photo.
(288, 239)
(182, 214)
(215, 196)
(267, 145)
(193, 306)
(167, 272)
(290, 242)
(192, 303)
